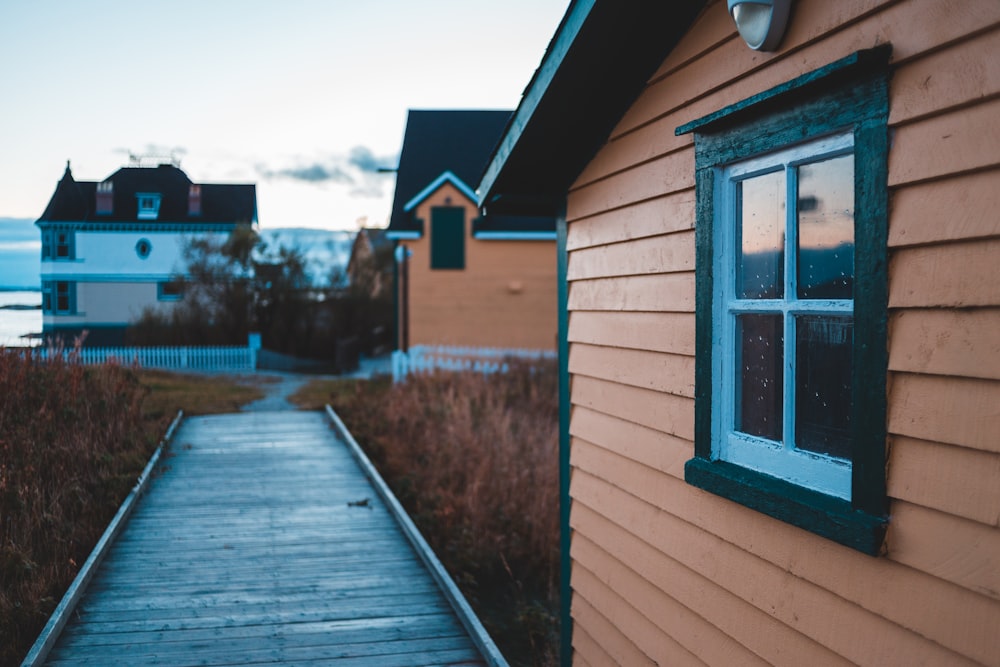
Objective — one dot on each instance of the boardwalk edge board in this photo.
(466, 615)
(50, 633)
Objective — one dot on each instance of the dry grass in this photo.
(73, 441)
(474, 460)
(196, 394)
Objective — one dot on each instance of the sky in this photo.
(305, 98)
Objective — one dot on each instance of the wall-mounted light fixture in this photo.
(761, 22)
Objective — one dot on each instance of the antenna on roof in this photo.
(154, 159)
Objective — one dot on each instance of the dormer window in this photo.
(105, 197)
(149, 205)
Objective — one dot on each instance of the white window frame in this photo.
(825, 474)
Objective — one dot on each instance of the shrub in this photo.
(474, 460)
(71, 447)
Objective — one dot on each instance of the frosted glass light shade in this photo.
(761, 23)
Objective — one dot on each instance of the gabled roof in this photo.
(599, 60)
(438, 141)
(450, 146)
(76, 201)
(446, 177)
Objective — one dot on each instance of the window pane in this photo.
(826, 229)
(823, 373)
(759, 394)
(760, 270)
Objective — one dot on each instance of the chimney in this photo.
(105, 197)
(194, 200)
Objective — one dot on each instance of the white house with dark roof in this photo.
(111, 249)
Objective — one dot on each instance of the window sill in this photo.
(824, 515)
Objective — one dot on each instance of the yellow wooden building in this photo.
(465, 279)
(780, 306)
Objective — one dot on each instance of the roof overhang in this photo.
(435, 185)
(597, 64)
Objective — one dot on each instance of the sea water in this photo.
(16, 323)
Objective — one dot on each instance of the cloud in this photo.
(359, 169)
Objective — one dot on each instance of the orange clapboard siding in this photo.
(664, 412)
(962, 140)
(956, 550)
(670, 213)
(598, 485)
(968, 203)
(950, 479)
(613, 556)
(957, 411)
(633, 599)
(615, 648)
(737, 72)
(669, 373)
(649, 447)
(658, 332)
(587, 652)
(953, 275)
(919, 89)
(657, 293)
(645, 181)
(962, 342)
(661, 254)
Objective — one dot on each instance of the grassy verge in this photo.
(473, 459)
(73, 441)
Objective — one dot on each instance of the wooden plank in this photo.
(955, 480)
(952, 275)
(963, 140)
(671, 293)
(587, 652)
(946, 342)
(955, 76)
(655, 449)
(948, 410)
(661, 254)
(898, 607)
(240, 554)
(673, 415)
(626, 598)
(662, 215)
(733, 72)
(956, 550)
(614, 646)
(670, 173)
(672, 333)
(668, 373)
(952, 209)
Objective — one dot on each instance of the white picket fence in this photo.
(173, 358)
(431, 358)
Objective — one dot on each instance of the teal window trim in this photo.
(850, 95)
(63, 245)
(565, 501)
(63, 297)
(448, 237)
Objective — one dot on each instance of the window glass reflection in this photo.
(759, 394)
(826, 229)
(761, 205)
(823, 372)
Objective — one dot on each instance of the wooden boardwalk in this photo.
(261, 541)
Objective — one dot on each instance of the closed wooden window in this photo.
(447, 237)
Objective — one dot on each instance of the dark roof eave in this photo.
(596, 65)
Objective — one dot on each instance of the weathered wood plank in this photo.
(639, 183)
(248, 548)
(685, 523)
(616, 646)
(673, 415)
(963, 342)
(950, 479)
(660, 254)
(944, 409)
(662, 215)
(669, 373)
(953, 275)
(672, 292)
(967, 203)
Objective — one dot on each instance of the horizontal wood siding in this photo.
(666, 573)
(505, 297)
